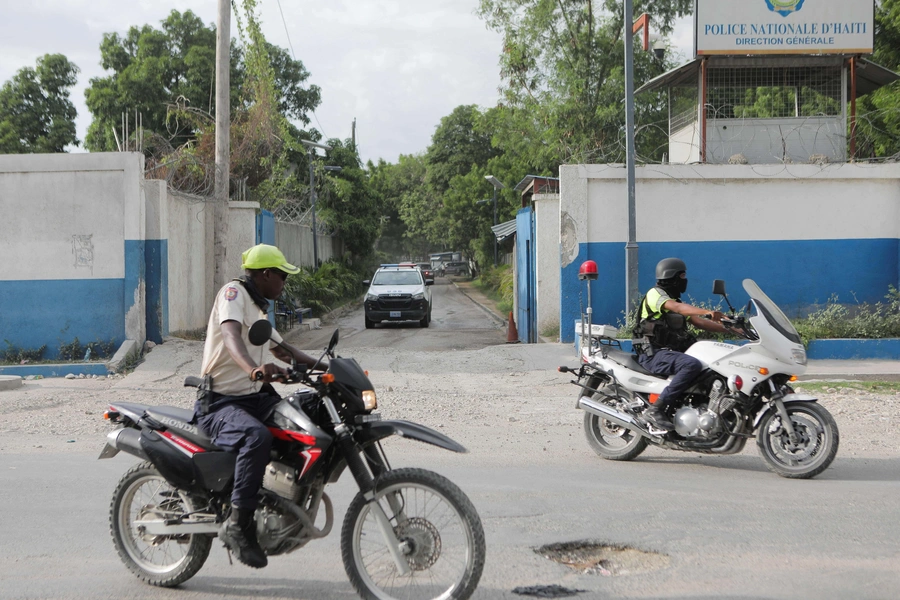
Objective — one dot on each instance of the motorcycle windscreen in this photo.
(770, 311)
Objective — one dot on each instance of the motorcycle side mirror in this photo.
(719, 287)
(719, 290)
(333, 343)
(260, 332)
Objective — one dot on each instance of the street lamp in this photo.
(497, 186)
(311, 152)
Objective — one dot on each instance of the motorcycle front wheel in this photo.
(816, 446)
(160, 560)
(440, 532)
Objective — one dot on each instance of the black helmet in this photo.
(669, 268)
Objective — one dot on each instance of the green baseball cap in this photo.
(264, 256)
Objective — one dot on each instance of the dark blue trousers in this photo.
(668, 362)
(237, 426)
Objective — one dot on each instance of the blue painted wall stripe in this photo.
(797, 275)
(36, 313)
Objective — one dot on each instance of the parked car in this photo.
(456, 268)
(398, 293)
(427, 271)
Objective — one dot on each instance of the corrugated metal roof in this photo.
(870, 76)
(504, 230)
(522, 185)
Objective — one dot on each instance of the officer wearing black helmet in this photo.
(662, 325)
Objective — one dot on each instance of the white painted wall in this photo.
(767, 141)
(191, 262)
(737, 202)
(72, 236)
(807, 230)
(684, 145)
(241, 235)
(65, 216)
(296, 242)
(546, 209)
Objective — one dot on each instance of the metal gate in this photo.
(526, 289)
(265, 228)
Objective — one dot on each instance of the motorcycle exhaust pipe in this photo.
(613, 415)
(128, 440)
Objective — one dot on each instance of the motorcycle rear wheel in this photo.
(443, 536)
(612, 441)
(164, 561)
(816, 448)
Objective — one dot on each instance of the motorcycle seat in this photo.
(629, 361)
(180, 419)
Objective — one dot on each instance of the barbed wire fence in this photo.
(771, 115)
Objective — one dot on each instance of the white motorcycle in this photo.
(743, 392)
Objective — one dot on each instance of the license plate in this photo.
(395, 314)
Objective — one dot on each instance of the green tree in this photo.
(347, 202)
(156, 69)
(36, 114)
(563, 76)
(879, 123)
(457, 145)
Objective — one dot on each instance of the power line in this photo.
(294, 55)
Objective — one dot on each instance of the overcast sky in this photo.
(396, 66)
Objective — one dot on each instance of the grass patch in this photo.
(551, 332)
(874, 387)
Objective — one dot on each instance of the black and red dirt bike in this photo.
(408, 533)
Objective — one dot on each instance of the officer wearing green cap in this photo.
(240, 397)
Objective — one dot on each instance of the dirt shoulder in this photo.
(490, 400)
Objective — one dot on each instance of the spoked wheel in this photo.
(815, 448)
(609, 440)
(440, 534)
(160, 560)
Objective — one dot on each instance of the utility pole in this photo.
(223, 141)
(353, 132)
(631, 248)
(498, 185)
(311, 154)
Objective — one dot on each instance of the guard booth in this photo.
(772, 82)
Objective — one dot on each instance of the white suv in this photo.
(398, 293)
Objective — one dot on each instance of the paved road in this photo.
(457, 323)
(695, 527)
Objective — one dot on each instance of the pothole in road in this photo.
(593, 558)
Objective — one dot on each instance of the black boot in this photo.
(239, 535)
(656, 417)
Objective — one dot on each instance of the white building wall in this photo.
(190, 260)
(803, 232)
(72, 241)
(547, 261)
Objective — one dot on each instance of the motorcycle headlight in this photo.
(370, 402)
(799, 356)
(371, 298)
(419, 296)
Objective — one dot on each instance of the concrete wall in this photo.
(547, 261)
(803, 232)
(767, 141)
(93, 251)
(296, 241)
(190, 261)
(72, 240)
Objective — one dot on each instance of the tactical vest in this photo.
(664, 330)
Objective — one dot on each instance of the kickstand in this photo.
(228, 552)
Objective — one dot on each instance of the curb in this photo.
(490, 311)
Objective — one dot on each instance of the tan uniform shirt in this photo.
(233, 303)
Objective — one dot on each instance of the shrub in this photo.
(323, 289)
